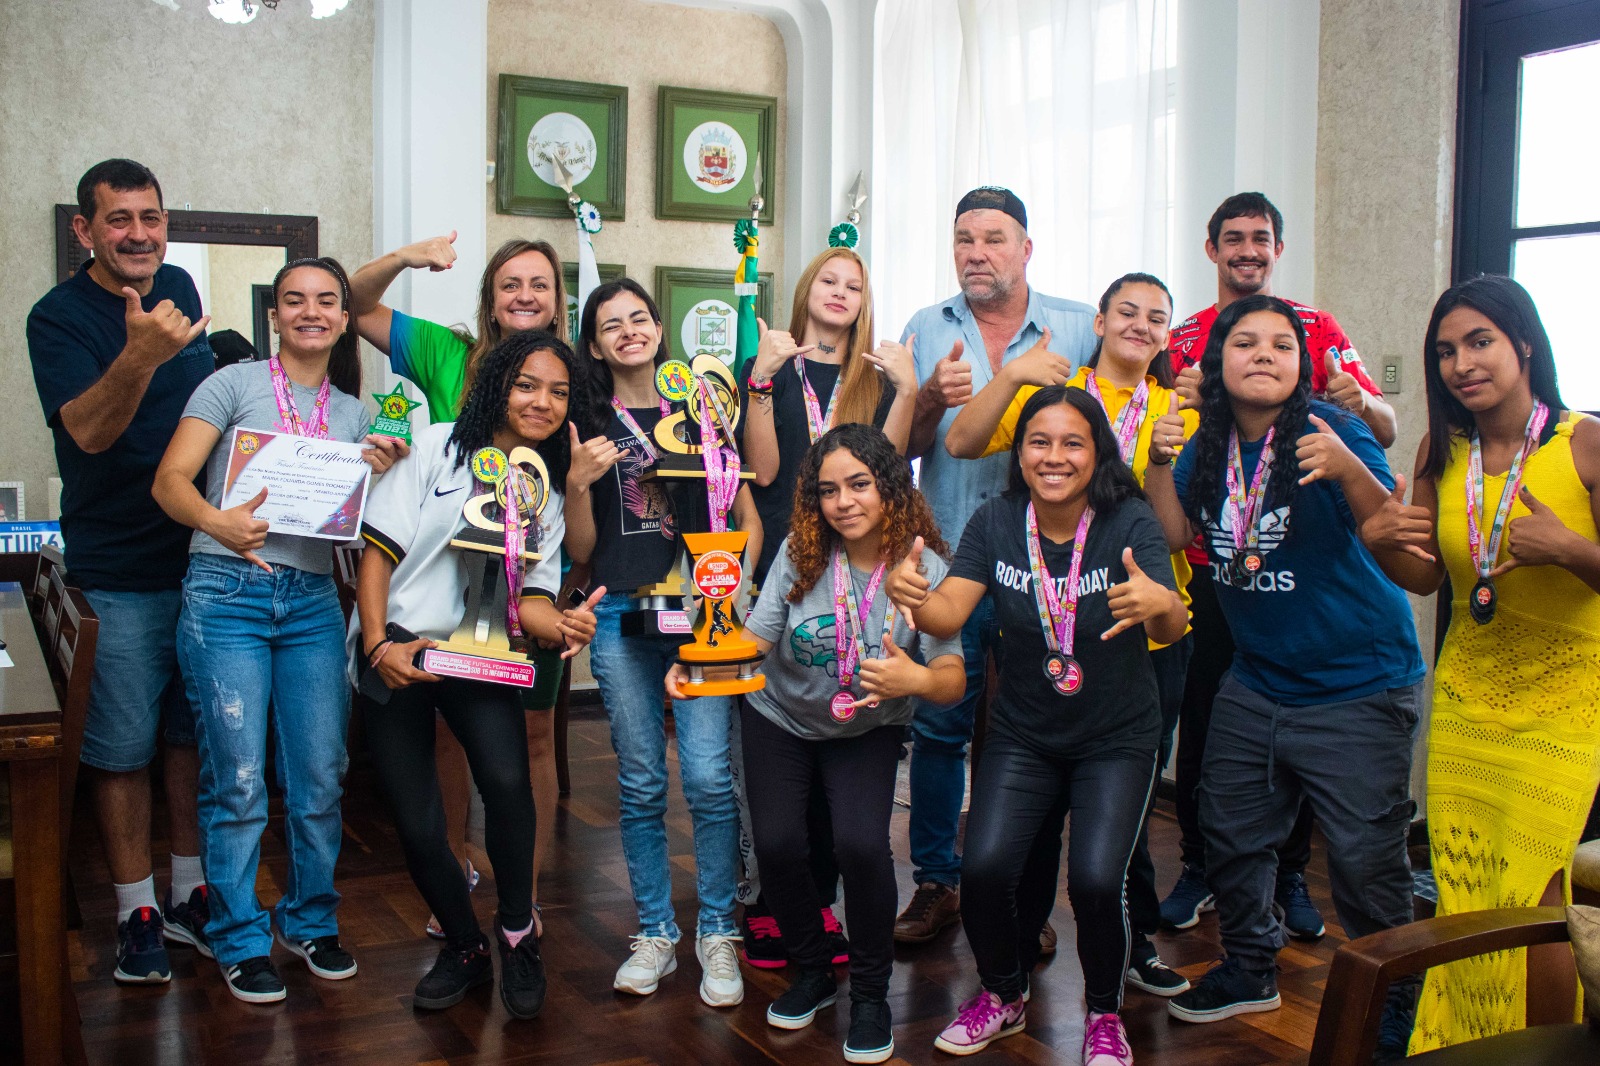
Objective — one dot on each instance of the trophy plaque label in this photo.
(447, 663)
(717, 574)
(394, 413)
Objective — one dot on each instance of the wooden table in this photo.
(30, 752)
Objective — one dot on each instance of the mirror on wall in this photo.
(231, 255)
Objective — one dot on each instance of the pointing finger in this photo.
(252, 557)
(1509, 565)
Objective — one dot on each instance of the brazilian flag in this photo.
(746, 241)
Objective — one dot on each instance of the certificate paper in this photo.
(315, 488)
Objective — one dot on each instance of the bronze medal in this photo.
(1481, 603)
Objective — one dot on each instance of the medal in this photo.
(1126, 425)
(289, 420)
(1485, 551)
(674, 380)
(1058, 616)
(721, 462)
(849, 622)
(626, 418)
(489, 465)
(1244, 506)
(842, 706)
(817, 423)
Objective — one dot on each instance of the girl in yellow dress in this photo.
(1504, 503)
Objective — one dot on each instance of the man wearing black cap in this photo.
(959, 345)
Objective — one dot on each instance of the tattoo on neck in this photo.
(829, 348)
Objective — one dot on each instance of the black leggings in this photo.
(1013, 856)
(856, 775)
(489, 722)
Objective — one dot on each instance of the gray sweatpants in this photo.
(1352, 761)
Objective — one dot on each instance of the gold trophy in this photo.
(482, 648)
(696, 442)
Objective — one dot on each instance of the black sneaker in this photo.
(521, 974)
(454, 974)
(763, 941)
(1226, 990)
(838, 943)
(871, 1039)
(1147, 971)
(1399, 1015)
(141, 957)
(324, 957)
(185, 922)
(255, 981)
(1295, 909)
(811, 991)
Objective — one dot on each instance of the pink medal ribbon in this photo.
(1126, 426)
(1244, 508)
(516, 541)
(817, 423)
(288, 414)
(633, 426)
(849, 622)
(721, 463)
(1483, 599)
(1058, 618)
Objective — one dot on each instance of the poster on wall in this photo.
(12, 498)
(699, 310)
(569, 277)
(583, 125)
(706, 148)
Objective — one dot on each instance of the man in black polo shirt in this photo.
(116, 351)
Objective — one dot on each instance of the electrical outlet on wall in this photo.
(1389, 374)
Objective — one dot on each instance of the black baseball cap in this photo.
(994, 198)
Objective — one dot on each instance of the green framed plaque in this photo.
(569, 275)
(587, 125)
(706, 148)
(699, 310)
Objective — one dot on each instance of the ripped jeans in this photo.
(1352, 761)
(249, 640)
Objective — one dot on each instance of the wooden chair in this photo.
(47, 617)
(1352, 1004)
(71, 663)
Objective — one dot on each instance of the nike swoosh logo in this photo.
(458, 488)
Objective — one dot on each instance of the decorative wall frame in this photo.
(699, 309)
(540, 116)
(706, 148)
(13, 501)
(569, 277)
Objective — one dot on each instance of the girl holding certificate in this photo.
(521, 289)
(1324, 693)
(261, 625)
(411, 593)
(1504, 505)
(831, 719)
(624, 528)
(1082, 580)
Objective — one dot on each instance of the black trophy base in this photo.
(490, 542)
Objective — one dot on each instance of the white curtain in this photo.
(1068, 103)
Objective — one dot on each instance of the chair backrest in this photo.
(48, 559)
(49, 618)
(346, 565)
(71, 661)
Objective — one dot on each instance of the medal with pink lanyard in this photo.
(849, 623)
(1484, 598)
(1126, 425)
(721, 462)
(289, 420)
(1058, 617)
(632, 423)
(518, 504)
(817, 423)
(1244, 508)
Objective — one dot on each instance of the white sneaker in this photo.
(652, 959)
(721, 984)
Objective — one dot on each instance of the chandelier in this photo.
(238, 12)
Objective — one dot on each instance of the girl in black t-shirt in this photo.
(1080, 575)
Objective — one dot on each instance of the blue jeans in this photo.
(632, 672)
(249, 640)
(136, 686)
(940, 733)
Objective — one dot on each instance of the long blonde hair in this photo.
(489, 332)
(860, 383)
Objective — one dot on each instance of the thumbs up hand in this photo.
(1538, 538)
(435, 253)
(1343, 388)
(1136, 600)
(1039, 366)
(891, 677)
(240, 531)
(1188, 387)
(578, 624)
(1166, 436)
(950, 384)
(1399, 527)
(906, 586)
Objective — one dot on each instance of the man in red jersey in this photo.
(1244, 239)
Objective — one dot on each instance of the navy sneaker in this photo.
(255, 981)
(811, 991)
(1399, 1015)
(1226, 990)
(454, 974)
(141, 956)
(1147, 971)
(871, 1037)
(1189, 899)
(185, 922)
(324, 957)
(1295, 909)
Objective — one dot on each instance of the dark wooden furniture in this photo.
(1352, 1005)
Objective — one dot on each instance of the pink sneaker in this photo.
(1105, 1041)
(982, 1020)
(838, 946)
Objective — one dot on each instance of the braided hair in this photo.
(484, 412)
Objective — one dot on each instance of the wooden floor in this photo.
(588, 916)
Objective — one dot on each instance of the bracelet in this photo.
(1164, 462)
(764, 387)
(377, 653)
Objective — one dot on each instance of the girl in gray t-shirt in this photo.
(842, 667)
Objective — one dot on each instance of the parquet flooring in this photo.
(368, 1020)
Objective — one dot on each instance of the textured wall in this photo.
(271, 116)
(642, 46)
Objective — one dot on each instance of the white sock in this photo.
(131, 897)
(187, 875)
(516, 938)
